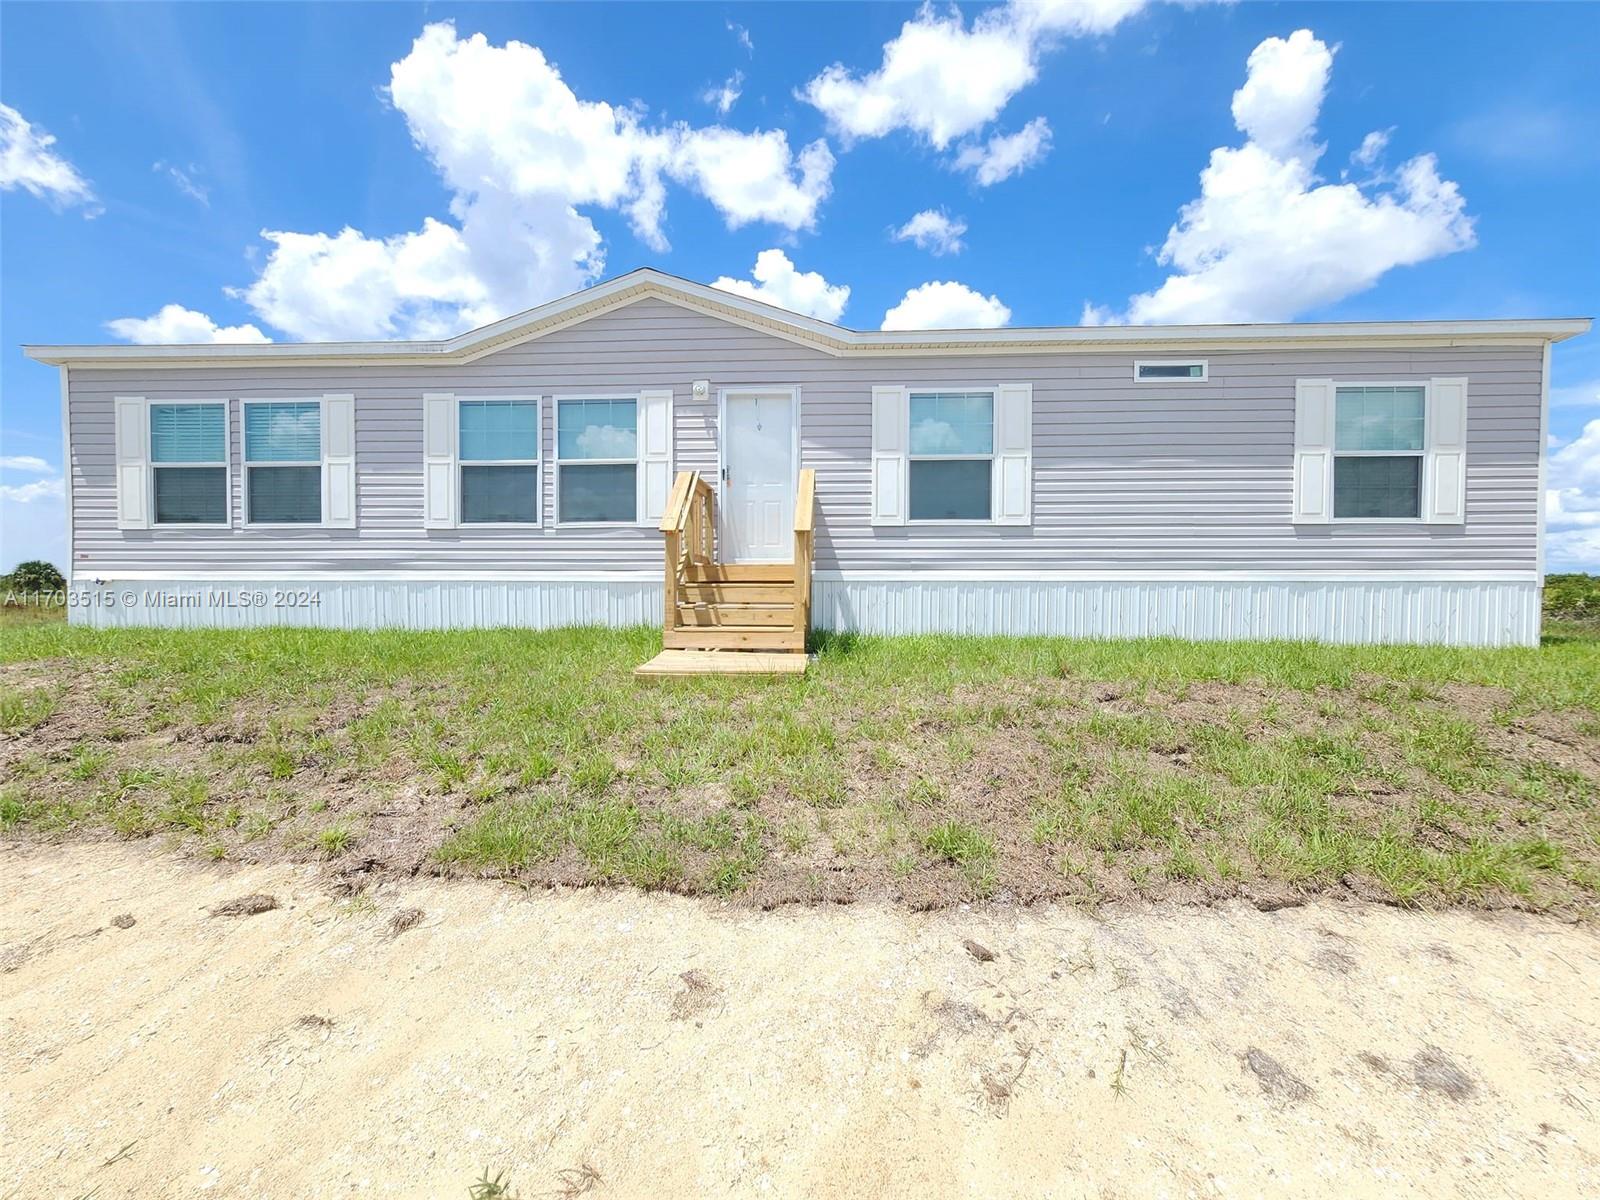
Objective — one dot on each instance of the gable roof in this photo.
(647, 283)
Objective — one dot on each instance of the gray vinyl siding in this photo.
(1127, 476)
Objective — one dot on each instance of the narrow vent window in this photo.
(1169, 372)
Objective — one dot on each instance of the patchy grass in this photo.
(928, 770)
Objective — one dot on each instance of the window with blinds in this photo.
(189, 463)
(499, 461)
(597, 461)
(951, 456)
(283, 462)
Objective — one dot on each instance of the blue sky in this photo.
(389, 170)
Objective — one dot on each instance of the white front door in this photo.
(758, 476)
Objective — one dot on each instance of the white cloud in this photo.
(727, 95)
(520, 152)
(1003, 155)
(941, 79)
(1372, 147)
(777, 282)
(184, 181)
(1576, 395)
(743, 36)
(1266, 240)
(29, 493)
(946, 305)
(1572, 503)
(175, 325)
(30, 463)
(28, 162)
(933, 230)
(33, 522)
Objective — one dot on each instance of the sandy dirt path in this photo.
(680, 1048)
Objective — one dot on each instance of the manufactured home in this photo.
(651, 450)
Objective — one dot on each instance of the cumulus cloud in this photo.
(1266, 240)
(522, 155)
(946, 305)
(28, 162)
(175, 325)
(777, 282)
(1572, 503)
(934, 231)
(942, 79)
(1003, 155)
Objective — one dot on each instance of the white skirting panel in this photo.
(379, 604)
(1461, 613)
(1448, 613)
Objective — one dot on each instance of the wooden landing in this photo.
(721, 662)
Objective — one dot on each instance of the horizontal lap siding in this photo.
(1152, 477)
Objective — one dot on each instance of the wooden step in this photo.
(736, 593)
(735, 637)
(671, 663)
(740, 572)
(735, 614)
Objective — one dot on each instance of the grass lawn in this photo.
(927, 770)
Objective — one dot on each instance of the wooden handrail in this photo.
(689, 525)
(805, 503)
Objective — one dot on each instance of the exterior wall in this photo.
(1150, 477)
(1451, 613)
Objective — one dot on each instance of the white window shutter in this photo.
(438, 460)
(133, 463)
(1013, 454)
(1313, 451)
(655, 453)
(1446, 472)
(891, 429)
(339, 460)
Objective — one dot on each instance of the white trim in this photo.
(66, 471)
(321, 464)
(555, 460)
(755, 389)
(1140, 363)
(1544, 454)
(968, 575)
(647, 283)
(226, 462)
(459, 464)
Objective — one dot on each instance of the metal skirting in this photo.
(1449, 613)
(1463, 613)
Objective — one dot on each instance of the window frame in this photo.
(537, 463)
(1335, 454)
(321, 464)
(636, 462)
(1202, 363)
(151, 403)
(993, 389)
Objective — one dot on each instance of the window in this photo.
(189, 463)
(597, 461)
(283, 462)
(499, 455)
(1170, 372)
(951, 456)
(1378, 442)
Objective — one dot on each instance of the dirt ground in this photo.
(618, 1043)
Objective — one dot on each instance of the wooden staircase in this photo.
(731, 618)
